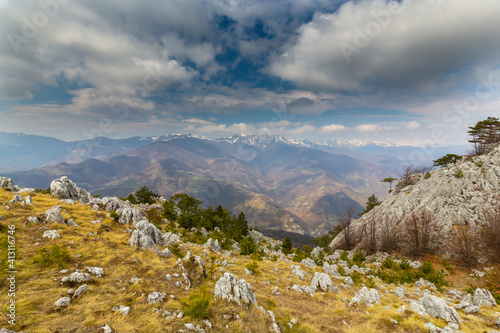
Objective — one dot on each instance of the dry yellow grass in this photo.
(97, 245)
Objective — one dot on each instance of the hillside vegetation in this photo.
(300, 298)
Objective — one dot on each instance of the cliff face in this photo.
(461, 194)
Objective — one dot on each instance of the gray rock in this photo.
(129, 215)
(62, 302)
(155, 297)
(17, 198)
(322, 281)
(64, 188)
(125, 310)
(6, 330)
(256, 236)
(71, 222)
(365, 296)
(33, 219)
(434, 306)
(6, 184)
(29, 201)
(80, 290)
(151, 231)
(79, 277)
(483, 297)
(95, 271)
(298, 272)
(134, 280)
(142, 241)
(213, 245)
(106, 329)
(432, 328)
(331, 270)
(399, 292)
(53, 215)
(230, 288)
(170, 238)
(308, 262)
(51, 234)
(111, 203)
(316, 252)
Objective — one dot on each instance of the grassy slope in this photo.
(95, 245)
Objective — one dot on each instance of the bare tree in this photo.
(345, 222)
(389, 235)
(465, 245)
(491, 236)
(370, 232)
(406, 178)
(420, 232)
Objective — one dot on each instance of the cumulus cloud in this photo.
(381, 45)
(332, 128)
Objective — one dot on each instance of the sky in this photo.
(415, 72)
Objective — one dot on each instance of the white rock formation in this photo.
(213, 245)
(82, 289)
(124, 310)
(434, 306)
(331, 269)
(6, 184)
(453, 200)
(483, 297)
(230, 288)
(365, 296)
(62, 302)
(51, 234)
(53, 215)
(64, 188)
(170, 238)
(155, 297)
(129, 215)
(96, 271)
(151, 231)
(322, 281)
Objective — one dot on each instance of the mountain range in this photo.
(300, 186)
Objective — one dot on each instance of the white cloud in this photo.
(332, 128)
(412, 125)
(422, 45)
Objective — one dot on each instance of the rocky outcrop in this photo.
(65, 189)
(213, 245)
(365, 296)
(96, 271)
(483, 297)
(322, 281)
(298, 272)
(53, 215)
(6, 184)
(111, 203)
(230, 288)
(155, 297)
(456, 195)
(331, 269)
(170, 238)
(82, 289)
(434, 306)
(129, 215)
(62, 302)
(124, 310)
(51, 234)
(151, 231)
(308, 262)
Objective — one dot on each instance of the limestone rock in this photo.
(112, 203)
(80, 290)
(106, 329)
(79, 277)
(323, 281)
(142, 241)
(316, 252)
(17, 198)
(365, 296)
(308, 262)
(170, 238)
(125, 310)
(399, 292)
(64, 188)
(151, 231)
(95, 271)
(230, 288)
(256, 236)
(298, 272)
(51, 234)
(62, 302)
(331, 269)
(33, 219)
(155, 297)
(483, 297)
(213, 245)
(29, 201)
(436, 307)
(129, 215)
(53, 215)
(6, 184)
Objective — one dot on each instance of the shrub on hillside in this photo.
(52, 255)
(197, 306)
(419, 233)
(491, 237)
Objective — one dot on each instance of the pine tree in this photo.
(447, 159)
(484, 133)
(286, 248)
(372, 202)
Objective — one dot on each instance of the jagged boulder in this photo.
(322, 281)
(151, 230)
(6, 184)
(51, 234)
(308, 262)
(298, 272)
(17, 198)
(111, 203)
(170, 238)
(129, 215)
(213, 245)
(482, 297)
(96, 271)
(82, 289)
(155, 297)
(53, 215)
(124, 310)
(331, 269)
(65, 189)
(230, 288)
(365, 296)
(256, 236)
(399, 292)
(434, 306)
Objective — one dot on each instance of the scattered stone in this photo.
(53, 215)
(64, 188)
(308, 262)
(80, 290)
(151, 231)
(155, 297)
(230, 288)
(134, 280)
(62, 302)
(6, 184)
(436, 307)
(331, 269)
(323, 281)
(483, 297)
(79, 277)
(299, 273)
(95, 271)
(51, 234)
(129, 215)
(365, 296)
(106, 329)
(170, 238)
(17, 198)
(399, 292)
(125, 310)
(213, 245)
